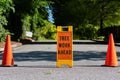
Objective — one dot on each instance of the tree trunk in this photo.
(102, 17)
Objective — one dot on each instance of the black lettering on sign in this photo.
(68, 52)
(64, 45)
(61, 51)
(64, 38)
(64, 52)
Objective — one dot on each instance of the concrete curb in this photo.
(13, 46)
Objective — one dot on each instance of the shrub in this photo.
(3, 34)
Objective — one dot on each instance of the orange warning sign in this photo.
(64, 47)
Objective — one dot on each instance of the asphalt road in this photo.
(38, 62)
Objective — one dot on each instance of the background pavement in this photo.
(37, 61)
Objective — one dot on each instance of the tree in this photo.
(29, 16)
(79, 13)
(106, 13)
(6, 6)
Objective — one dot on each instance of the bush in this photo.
(48, 31)
(85, 32)
(3, 34)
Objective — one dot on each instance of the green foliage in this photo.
(34, 19)
(26, 25)
(3, 34)
(48, 31)
(30, 15)
(100, 13)
(86, 32)
(101, 37)
(5, 7)
(86, 16)
(33, 16)
(3, 20)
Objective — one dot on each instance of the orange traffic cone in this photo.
(111, 56)
(7, 59)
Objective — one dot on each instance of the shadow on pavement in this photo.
(89, 55)
(51, 56)
(35, 56)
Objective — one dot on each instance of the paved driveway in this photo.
(38, 62)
